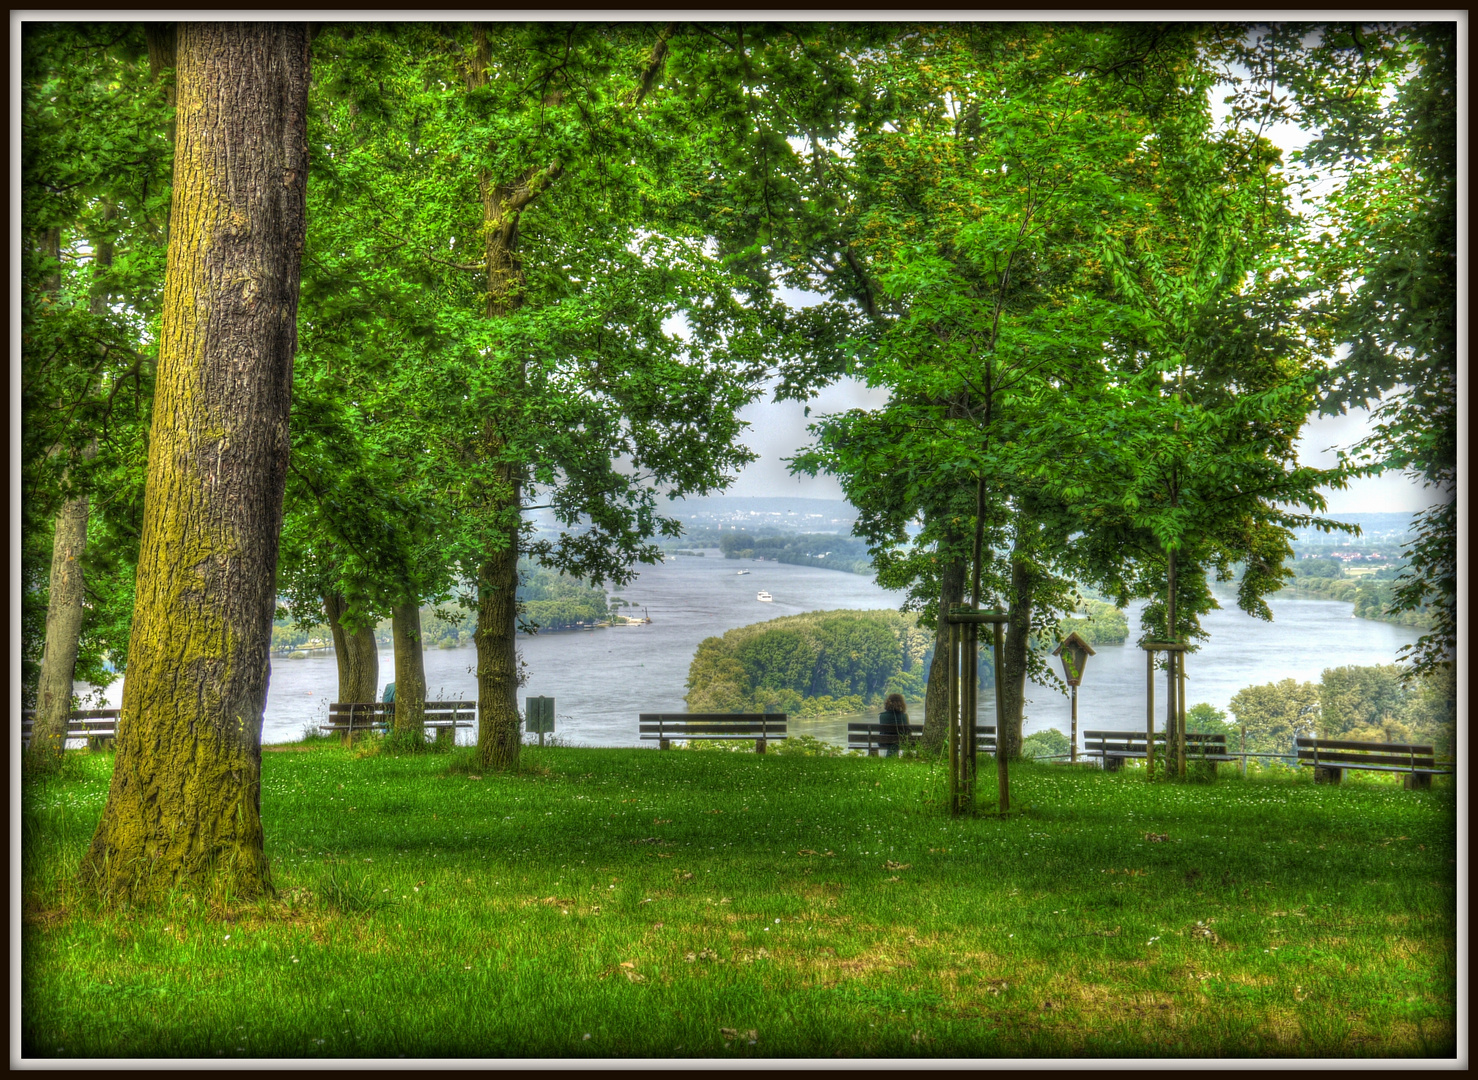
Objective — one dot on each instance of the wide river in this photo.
(601, 679)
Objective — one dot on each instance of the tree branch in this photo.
(653, 68)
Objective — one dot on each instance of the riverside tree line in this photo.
(319, 314)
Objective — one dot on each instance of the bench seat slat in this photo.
(683, 718)
(1373, 768)
(1325, 757)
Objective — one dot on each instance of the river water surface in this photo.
(601, 679)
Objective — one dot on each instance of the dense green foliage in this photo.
(1097, 622)
(1206, 719)
(1370, 704)
(1373, 597)
(556, 601)
(815, 664)
(1381, 176)
(817, 902)
(1318, 568)
(94, 190)
(829, 551)
(1047, 743)
(1078, 291)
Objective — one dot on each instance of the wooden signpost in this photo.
(1074, 652)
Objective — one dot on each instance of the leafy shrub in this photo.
(806, 746)
(1044, 744)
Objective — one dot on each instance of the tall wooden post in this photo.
(954, 717)
(971, 664)
(1072, 754)
(1003, 783)
(1180, 722)
(1170, 713)
(1149, 713)
(964, 701)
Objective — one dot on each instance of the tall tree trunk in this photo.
(503, 202)
(184, 805)
(356, 652)
(64, 613)
(64, 610)
(410, 669)
(936, 695)
(1018, 640)
(498, 739)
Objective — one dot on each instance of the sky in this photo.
(778, 429)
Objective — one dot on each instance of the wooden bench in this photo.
(1331, 757)
(870, 735)
(664, 727)
(98, 726)
(1115, 747)
(443, 717)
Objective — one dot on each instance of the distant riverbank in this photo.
(601, 679)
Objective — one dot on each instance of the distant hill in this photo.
(766, 514)
(1372, 527)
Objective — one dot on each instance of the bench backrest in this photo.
(79, 723)
(1353, 752)
(862, 733)
(367, 713)
(1134, 741)
(737, 724)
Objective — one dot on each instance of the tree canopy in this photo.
(545, 266)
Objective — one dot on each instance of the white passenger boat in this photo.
(766, 597)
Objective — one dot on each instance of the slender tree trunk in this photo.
(356, 652)
(1018, 640)
(64, 613)
(1173, 734)
(410, 669)
(184, 806)
(936, 695)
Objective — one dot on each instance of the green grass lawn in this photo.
(724, 905)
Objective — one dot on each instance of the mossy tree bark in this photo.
(355, 651)
(410, 669)
(183, 808)
(63, 630)
(498, 738)
(936, 694)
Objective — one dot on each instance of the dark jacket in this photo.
(893, 724)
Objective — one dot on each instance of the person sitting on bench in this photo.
(893, 721)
